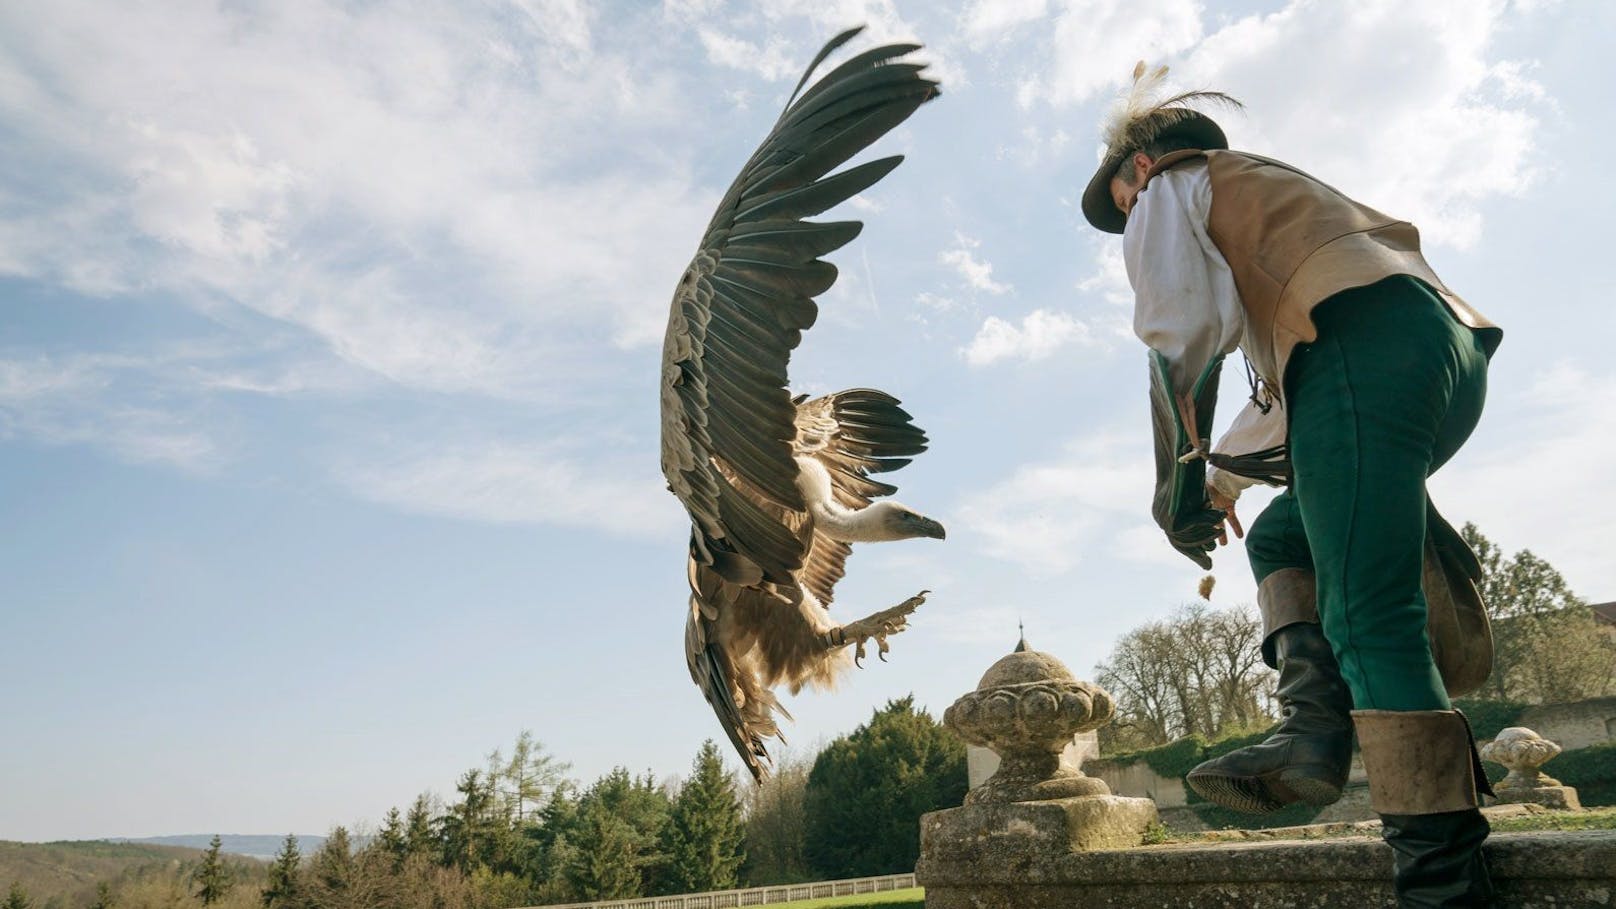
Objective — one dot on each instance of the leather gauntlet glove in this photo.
(1180, 506)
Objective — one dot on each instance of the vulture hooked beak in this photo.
(923, 526)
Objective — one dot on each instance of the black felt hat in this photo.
(1138, 122)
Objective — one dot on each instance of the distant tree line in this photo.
(519, 832)
(1548, 646)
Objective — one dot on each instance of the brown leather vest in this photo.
(1292, 242)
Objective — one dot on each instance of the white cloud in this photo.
(1097, 42)
(1040, 334)
(986, 20)
(70, 401)
(1402, 105)
(513, 484)
(1405, 106)
(281, 156)
(1091, 503)
(774, 62)
(1035, 146)
(776, 38)
(1110, 277)
(977, 273)
(865, 204)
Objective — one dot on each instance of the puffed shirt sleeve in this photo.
(1185, 302)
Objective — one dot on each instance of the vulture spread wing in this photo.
(744, 301)
(731, 432)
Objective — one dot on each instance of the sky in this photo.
(330, 335)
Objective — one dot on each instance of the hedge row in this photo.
(1488, 718)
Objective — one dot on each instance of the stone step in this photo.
(1540, 870)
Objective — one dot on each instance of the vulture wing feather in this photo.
(747, 296)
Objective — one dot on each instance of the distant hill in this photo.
(252, 845)
(48, 869)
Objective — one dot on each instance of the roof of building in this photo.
(1605, 611)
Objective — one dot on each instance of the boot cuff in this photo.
(1285, 597)
(1418, 761)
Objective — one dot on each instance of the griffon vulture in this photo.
(778, 487)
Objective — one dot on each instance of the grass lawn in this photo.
(1592, 819)
(911, 898)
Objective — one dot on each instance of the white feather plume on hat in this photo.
(1137, 118)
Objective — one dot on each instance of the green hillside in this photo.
(70, 870)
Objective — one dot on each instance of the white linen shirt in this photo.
(1185, 302)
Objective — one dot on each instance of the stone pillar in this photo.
(1035, 807)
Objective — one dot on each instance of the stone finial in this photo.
(1026, 709)
(1524, 753)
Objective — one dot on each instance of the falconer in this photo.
(1366, 375)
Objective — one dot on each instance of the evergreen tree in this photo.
(213, 879)
(608, 859)
(703, 836)
(610, 848)
(17, 898)
(868, 790)
(103, 897)
(469, 831)
(418, 838)
(282, 891)
(331, 872)
(391, 838)
(552, 849)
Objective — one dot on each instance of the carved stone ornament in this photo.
(1524, 753)
(1027, 708)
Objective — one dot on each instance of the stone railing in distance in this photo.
(755, 896)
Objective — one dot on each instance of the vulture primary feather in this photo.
(779, 487)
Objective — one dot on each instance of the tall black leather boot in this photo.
(1307, 758)
(1424, 782)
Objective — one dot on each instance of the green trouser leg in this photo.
(1389, 391)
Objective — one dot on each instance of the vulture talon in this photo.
(879, 626)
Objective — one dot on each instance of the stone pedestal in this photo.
(1026, 709)
(1524, 753)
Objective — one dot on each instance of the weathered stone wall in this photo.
(1575, 725)
(1138, 780)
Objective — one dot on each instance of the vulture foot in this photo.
(878, 625)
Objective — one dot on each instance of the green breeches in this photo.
(1386, 395)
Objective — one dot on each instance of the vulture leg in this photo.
(876, 625)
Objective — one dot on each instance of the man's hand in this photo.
(1223, 503)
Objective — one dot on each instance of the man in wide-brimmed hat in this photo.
(1366, 375)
